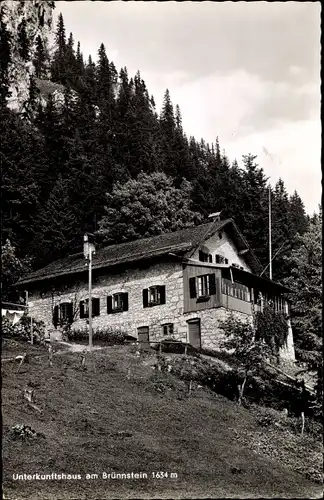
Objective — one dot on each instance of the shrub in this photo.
(22, 329)
(173, 346)
(109, 335)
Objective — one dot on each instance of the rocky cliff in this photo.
(36, 18)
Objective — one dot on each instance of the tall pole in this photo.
(31, 319)
(90, 297)
(270, 243)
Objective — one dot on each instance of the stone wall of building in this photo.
(133, 281)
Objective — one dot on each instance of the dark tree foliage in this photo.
(23, 41)
(40, 59)
(63, 157)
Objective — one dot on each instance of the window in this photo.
(202, 286)
(205, 257)
(63, 313)
(167, 329)
(84, 308)
(118, 302)
(154, 296)
(236, 290)
(219, 259)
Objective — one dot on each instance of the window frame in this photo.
(154, 296)
(167, 329)
(122, 302)
(202, 287)
(84, 307)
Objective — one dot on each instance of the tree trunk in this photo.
(242, 390)
(303, 422)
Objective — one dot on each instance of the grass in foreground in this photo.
(119, 415)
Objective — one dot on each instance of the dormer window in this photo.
(220, 259)
(205, 257)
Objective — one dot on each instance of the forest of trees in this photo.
(65, 167)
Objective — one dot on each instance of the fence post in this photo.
(186, 346)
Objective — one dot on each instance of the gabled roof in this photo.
(178, 243)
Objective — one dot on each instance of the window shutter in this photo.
(55, 316)
(162, 294)
(210, 258)
(109, 304)
(212, 284)
(95, 307)
(125, 301)
(145, 297)
(192, 288)
(82, 314)
(69, 307)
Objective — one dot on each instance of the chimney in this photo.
(215, 216)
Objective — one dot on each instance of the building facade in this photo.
(179, 285)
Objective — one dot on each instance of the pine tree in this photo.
(23, 41)
(40, 59)
(297, 215)
(62, 235)
(167, 127)
(306, 281)
(253, 207)
(58, 66)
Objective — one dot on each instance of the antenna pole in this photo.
(270, 243)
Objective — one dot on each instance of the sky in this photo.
(247, 72)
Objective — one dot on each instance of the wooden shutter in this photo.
(162, 294)
(212, 284)
(192, 288)
(145, 297)
(82, 312)
(69, 309)
(95, 307)
(109, 304)
(55, 316)
(125, 301)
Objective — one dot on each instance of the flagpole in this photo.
(270, 243)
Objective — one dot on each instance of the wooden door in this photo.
(143, 337)
(194, 334)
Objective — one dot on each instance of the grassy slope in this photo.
(84, 410)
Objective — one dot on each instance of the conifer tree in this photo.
(58, 67)
(23, 41)
(58, 231)
(40, 59)
(306, 281)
